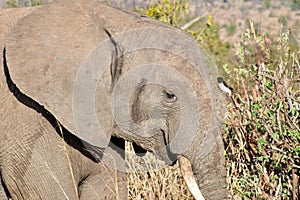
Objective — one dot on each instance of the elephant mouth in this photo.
(165, 153)
(184, 165)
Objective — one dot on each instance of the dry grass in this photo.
(149, 178)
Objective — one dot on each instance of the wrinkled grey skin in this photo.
(41, 155)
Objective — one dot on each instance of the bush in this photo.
(262, 131)
(17, 3)
(171, 12)
(295, 4)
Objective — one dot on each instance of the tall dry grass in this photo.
(151, 179)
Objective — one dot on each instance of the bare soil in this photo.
(235, 13)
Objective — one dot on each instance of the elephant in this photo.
(79, 78)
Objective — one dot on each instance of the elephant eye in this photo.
(170, 96)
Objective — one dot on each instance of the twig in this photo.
(278, 190)
(283, 152)
(68, 159)
(296, 60)
(271, 77)
(287, 95)
(295, 183)
(190, 23)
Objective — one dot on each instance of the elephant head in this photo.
(101, 72)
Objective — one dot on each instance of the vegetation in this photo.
(295, 4)
(154, 180)
(231, 28)
(262, 130)
(171, 12)
(17, 3)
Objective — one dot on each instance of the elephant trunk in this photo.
(209, 171)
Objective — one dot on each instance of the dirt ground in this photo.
(233, 15)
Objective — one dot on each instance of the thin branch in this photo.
(190, 23)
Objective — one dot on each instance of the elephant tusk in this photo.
(187, 173)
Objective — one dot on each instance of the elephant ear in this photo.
(50, 58)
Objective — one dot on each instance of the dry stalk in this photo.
(68, 159)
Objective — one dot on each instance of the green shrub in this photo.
(267, 4)
(295, 4)
(231, 28)
(168, 11)
(28, 3)
(262, 131)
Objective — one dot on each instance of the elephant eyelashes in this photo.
(171, 97)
